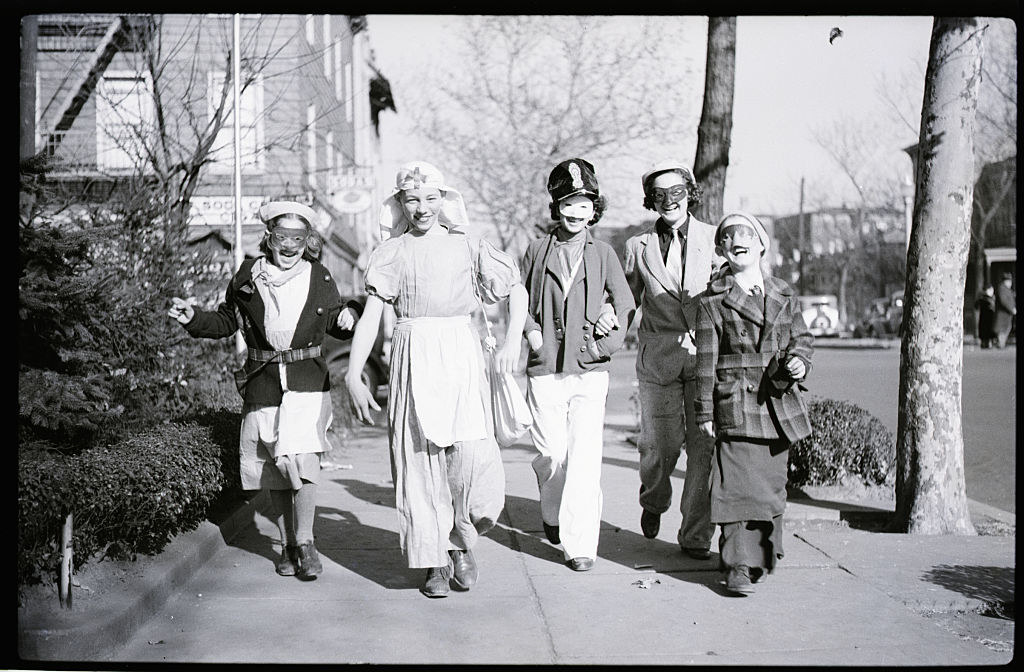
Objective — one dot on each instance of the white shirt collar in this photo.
(747, 287)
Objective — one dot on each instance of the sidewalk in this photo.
(841, 596)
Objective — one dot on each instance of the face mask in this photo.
(670, 196)
(740, 233)
(577, 208)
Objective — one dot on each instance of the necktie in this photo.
(674, 261)
(756, 290)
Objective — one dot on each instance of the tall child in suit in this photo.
(752, 349)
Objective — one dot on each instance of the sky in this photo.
(789, 79)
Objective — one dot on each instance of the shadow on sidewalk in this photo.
(620, 546)
(992, 585)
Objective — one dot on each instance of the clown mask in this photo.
(287, 242)
(576, 212)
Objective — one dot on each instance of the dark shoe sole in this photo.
(698, 553)
(433, 596)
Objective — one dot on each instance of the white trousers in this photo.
(568, 432)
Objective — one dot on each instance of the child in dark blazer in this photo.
(753, 348)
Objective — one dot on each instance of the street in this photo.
(870, 379)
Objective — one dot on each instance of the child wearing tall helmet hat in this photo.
(753, 349)
(572, 332)
(431, 267)
(284, 302)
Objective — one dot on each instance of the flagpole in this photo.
(236, 58)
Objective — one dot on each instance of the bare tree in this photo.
(715, 129)
(542, 89)
(930, 487)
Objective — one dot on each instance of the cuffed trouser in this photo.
(754, 543)
(667, 424)
(568, 432)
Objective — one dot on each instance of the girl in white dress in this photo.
(446, 466)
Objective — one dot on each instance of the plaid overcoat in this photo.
(736, 339)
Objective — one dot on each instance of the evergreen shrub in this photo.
(846, 442)
(127, 498)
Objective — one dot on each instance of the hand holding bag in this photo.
(511, 414)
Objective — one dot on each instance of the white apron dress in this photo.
(449, 480)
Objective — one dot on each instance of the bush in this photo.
(129, 498)
(846, 441)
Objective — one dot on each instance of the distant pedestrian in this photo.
(572, 332)
(986, 305)
(752, 349)
(283, 301)
(447, 470)
(668, 266)
(1005, 310)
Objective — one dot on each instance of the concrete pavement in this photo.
(841, 596)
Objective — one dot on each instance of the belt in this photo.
(744, 360)
(285, 356)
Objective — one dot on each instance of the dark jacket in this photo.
(319, 316)
(567, 327)
(735, 342)
(1005, 309)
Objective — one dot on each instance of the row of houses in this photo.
(308, 114)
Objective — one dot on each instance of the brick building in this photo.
(307, 121)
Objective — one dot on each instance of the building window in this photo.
(222, 153)
(124, 121)
(327, 46)
(329, 147)
(311, 143)
(350, 101)
(337, 70)
(310, 29)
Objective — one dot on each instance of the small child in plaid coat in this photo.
(752, 349)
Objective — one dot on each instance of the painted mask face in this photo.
(669, 193)
(287, 242)
(740, 245)
(421, 206)
(576, 212)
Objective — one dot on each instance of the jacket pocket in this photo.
(729, 404)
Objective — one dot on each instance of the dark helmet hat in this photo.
(571, 178)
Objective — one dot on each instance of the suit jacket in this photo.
(668, 318)
(319, 316)
(736, 340)
(567, 326)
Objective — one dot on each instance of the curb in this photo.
(90, 639)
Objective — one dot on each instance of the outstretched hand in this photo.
(182, 310)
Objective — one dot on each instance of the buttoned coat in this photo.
(668, 316)
(319, 316)
(1005, 309)
(736, 339)
(567, 326)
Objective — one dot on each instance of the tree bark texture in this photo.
(715, 129)
(931, 493)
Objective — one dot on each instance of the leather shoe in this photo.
(309, 562)
(697, 553)
(551, 532)
(581, 564)
(436, 583)
(738, 580)
(287, 564)
(650, 523)
(465, 572)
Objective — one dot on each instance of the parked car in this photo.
(374, 375)
(821, 314)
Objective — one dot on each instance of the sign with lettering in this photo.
(352, 180)
(220, 210)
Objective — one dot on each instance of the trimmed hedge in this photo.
(846, 441)
(128, 498)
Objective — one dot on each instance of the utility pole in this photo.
(800, 239)
(29, 39)
(236, 58)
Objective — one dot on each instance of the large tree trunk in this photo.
(931, 495)
(715, 129)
